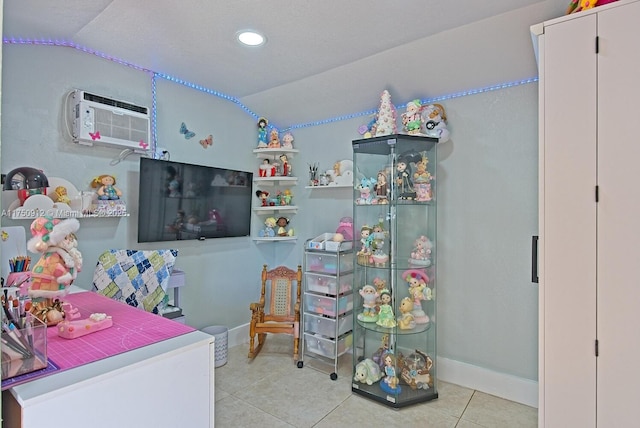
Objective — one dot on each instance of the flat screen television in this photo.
(180, 201)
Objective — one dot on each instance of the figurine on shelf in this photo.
(268, 231)
(381, 188)
(262, 133)
(406, 320)
(58, 266)
(61, 195)
(105, 184)
(435, 122)
(369, 298)
(365, 186)
(390, 381)
(422, 180)
(417, 280)
(421, 254)
(287, 140)
(386, 317)
(282, 224)
(367, 371)
(416, 370)
(267, 169)
(378, 256)
(365, 241)
(264, 197)
(274, 139)
(285, 167)
(404, 178)
(411, 119)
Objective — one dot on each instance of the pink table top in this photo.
(132, 328)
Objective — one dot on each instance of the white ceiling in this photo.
(195, 39)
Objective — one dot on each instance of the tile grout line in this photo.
(466, 407)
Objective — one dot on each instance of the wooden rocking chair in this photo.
(283, 314)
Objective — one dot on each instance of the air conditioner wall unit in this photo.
(107, 122)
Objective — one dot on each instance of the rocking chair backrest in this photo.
(282, 281)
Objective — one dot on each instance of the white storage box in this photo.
(324, 284)
(323, 305)
(327, 326)
(327, 347)
(325, 242)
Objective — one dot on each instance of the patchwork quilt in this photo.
(138, 278)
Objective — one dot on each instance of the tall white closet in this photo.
(589, 245)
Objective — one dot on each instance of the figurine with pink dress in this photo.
(417, 280)
(421, 253)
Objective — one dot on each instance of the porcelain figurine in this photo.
(262, 133)
(406, 320)
(367, 371)
(385, 316)
(421, 253)
(378, 257)
(381, 188)
(417, 280)
(389, 383)
(411, 119)
(369, 298)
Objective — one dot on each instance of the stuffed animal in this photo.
(367, 371)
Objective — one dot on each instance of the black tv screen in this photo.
(181, 201)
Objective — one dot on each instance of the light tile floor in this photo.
(271, 391)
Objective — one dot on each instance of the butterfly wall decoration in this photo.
(207, 142)
(95, 135)
(143, 145)
(184, 131)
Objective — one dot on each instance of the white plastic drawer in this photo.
(328, 284)
(325, 305)
(328, 327)
(327, 347)
(328, 263)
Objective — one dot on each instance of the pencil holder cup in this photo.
(24, 346)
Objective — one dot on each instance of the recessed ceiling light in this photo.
(251, 38)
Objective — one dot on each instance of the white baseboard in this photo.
(520, 390)
(513, 388)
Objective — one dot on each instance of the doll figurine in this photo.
(434, 119)
(422, 180)
(262, 133)
(263, 196)
(285, 167)
(268, 231)
(57, 267)
(282, 224)
(421, 254)
(267, 169)
(369, 297)
(378, 256)
(274, 139)
(61, 195)
(411, 119)
(386, 317)
(389, 383)
(105, 184)
(287, 140)
(365, 244)
(418, 290)
(381, 188)
(404, 177)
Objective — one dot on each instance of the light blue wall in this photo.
(486, 180)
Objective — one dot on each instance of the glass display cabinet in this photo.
(394, 334)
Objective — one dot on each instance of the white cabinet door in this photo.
(568, 224)
(618, 215)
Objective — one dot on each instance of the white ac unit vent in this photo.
(108, 122)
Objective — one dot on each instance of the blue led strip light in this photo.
(155, 76)
(154, 115)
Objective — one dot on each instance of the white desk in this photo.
(166, 384)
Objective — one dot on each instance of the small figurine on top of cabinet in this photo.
(435, 122)
(369, 297)
(262, 133)
(417, 280)
(411, 119)
(386, 317)
(287, 140)
(106, 189)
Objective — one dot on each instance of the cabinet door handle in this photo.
(534, 259)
